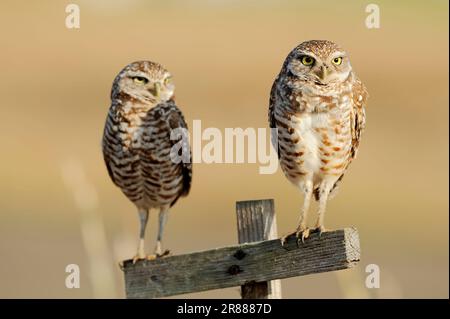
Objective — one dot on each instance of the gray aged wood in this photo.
(256, 221)
(241, 264)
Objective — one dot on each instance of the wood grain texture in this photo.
(241, 264)
(256, 221)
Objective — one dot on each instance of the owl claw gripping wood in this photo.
(137, 145)
(317, 105)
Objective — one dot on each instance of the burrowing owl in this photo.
(317, 105)
(137, 144)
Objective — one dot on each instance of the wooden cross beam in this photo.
(245, 264)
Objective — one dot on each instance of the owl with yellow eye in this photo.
(138, 143)
(317, 106)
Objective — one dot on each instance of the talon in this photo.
(158, 255)
(302, 234)
(284, 239)
(305, 234)
(164, 254)
(320, 230)
(137, 257)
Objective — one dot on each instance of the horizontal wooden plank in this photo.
(241, 264)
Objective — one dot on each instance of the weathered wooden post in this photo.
(254, 265)
(256, 221)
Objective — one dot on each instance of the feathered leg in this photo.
(302, 232)
(143, 218)
(163, 216)
(324, 192)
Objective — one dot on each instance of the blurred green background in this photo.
(59, 207)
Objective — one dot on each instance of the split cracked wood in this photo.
(241, 264)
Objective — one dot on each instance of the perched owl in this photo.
(138, 148)
(317, 105)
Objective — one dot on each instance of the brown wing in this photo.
(109, 141)
(272, 120)
(176, 120)
(108, 167)
(359, 99)
(358, 122)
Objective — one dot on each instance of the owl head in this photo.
(146, 81)
(319, 61)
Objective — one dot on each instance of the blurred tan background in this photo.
(58, 205)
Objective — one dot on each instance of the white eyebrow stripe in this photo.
(138, 73)
(338, 54)
(308, 54)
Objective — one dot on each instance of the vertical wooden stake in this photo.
(257, 222)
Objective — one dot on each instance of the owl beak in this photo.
(156, 89)
(322, 73)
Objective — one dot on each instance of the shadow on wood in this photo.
(241, 264)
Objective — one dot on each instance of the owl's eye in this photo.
(167, 80)
(140, 80)
(307, 60)
(337, 61)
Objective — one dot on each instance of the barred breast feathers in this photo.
(136, 149)
(335, 145)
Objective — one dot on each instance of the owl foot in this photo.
(301, 234)
(138, 257)
(320, 230)
(164, 254)
(285, 238)
(158, 255)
